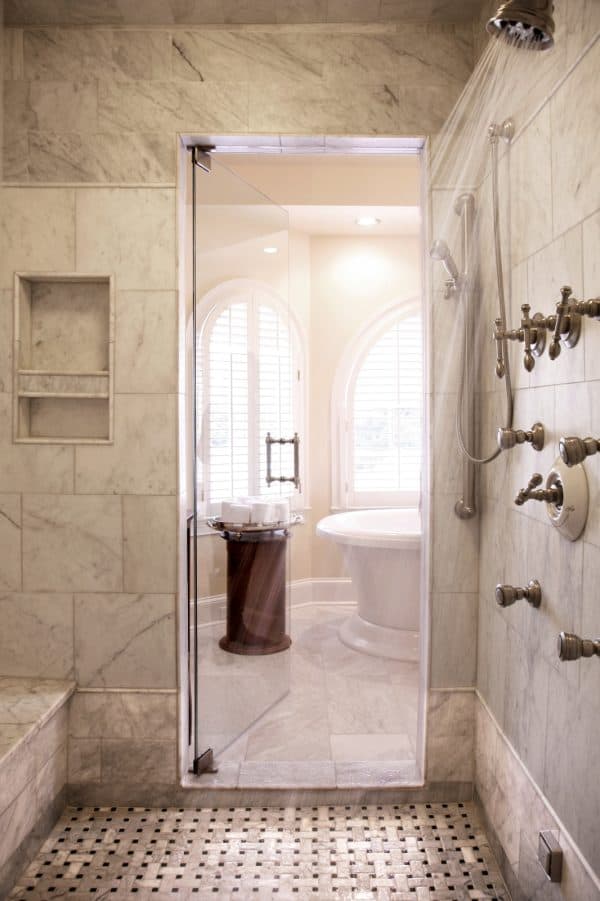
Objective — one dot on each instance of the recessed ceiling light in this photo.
(367, 221)
(271, 249)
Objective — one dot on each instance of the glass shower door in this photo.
(244, 384)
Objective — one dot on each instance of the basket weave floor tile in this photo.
(412, 852)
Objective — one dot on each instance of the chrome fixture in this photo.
(575, 450)
(441, 253)
(565, 325)
(524, 23)
(550, 855)
(565, 494)
(507, 438)
(533, 492)
(572, 647)
(532, 334)
(269, 442)
(506, 595)
(504, 131)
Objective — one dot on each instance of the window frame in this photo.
(210, 307)
(343, 496)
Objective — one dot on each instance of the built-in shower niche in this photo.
(63, 358)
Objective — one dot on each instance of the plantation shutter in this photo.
(387, 412)
(245, 388)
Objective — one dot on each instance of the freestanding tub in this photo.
(382, 549)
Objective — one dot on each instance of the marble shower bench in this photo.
(33, 768)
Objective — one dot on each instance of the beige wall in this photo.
(353, 280)
(91, 116)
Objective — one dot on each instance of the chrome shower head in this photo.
(441, 253)
(524, 23)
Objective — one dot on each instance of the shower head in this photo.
(441, 252)
(524, 23)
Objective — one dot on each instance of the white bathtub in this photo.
(382, 549)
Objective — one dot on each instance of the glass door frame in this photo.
(316, 146)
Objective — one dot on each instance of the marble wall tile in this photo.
(18, 769)
(64, 54)
(450, 736)
(146, 342)
(149, 544)
(36, 231)
(527, 678)
(14, 157)
(51, 778)
(17, 821)
(531, 198)
(130, 232)
(173, 106)
(456, 541)
(412, 53)
(84, 763)
(12, 54)
(304, 109)
(100, 157)
(29, 468)
(589, 626)
(125, 640)
(352, 10)
(242, 56)
(591, 288)
(59, 106)
(582, 24)
(136, 761)
(575, 118)
(448, 10)
(123, 714)
(37, 635)
(72, 543)
(10, 542)
(453, 640)
(572, 764)
(142, 459)
(448, 469)
(299, 11)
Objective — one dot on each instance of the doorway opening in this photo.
(305, 368)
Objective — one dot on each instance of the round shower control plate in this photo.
(571, 516)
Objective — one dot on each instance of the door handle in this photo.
(269, 442)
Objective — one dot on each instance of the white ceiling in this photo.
(341, 220)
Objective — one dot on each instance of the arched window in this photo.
(378, 413)
(250, 379)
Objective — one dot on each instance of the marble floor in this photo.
(348, 719)
(433, 851)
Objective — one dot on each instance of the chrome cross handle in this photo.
(533, 492)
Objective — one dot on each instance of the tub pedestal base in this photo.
(379, 641)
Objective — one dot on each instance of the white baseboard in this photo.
(302, 591)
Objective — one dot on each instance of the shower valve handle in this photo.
(572, 647)
(506, 595)
(560, 325)
(508, 438)
(534, 493)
